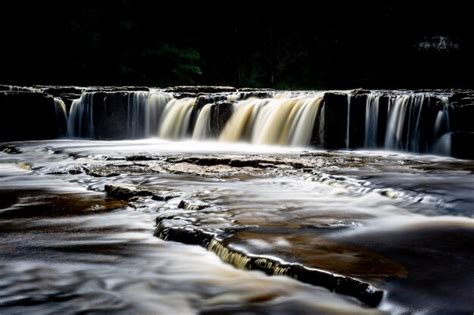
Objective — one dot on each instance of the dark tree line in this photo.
(294, 45)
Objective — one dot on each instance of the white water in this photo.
(176, 118)
(287, 121)
(202, 129)
(81, 113)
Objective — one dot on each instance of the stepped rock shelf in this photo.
(422, 121)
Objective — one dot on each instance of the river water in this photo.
(403, 223)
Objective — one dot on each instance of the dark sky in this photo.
(297, 44)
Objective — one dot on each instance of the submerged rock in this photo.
(192, 205)
(70, 169)
(126, 192)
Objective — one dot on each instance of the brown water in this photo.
(400, 222)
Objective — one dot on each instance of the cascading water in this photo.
(81, 120)
(141, 113)
(409, 122)
(371, 121)
(136, 113)
(348, 128)
(398, 120)
(202, 129)
(285, 121)
(155, 105)
(61, 115)
(176, 118)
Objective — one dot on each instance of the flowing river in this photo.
(114, 227)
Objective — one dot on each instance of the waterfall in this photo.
(176, 118)
(244, 114)
(81, 119)
(414, 121)
(61, 115)
(140, 114)
(155, 105)
(285, 121)
(392, 120)
(371, 120)
(348, 125)
(202, 129)
(303, 125)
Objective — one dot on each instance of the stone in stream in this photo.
(126, 192)
(70, 169)
(116, 169)
(192, 205)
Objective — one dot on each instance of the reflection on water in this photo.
(67, 249)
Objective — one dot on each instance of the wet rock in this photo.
(201, 101)
(179, 95)
(245, 93)
(140, 158)
(101, 172)
(200, 89)
(244, 89)
(220, 113)
(110, 112)
(332, 134)
(10, 149)
(462, 113)
(207, 171)
(192, 205)
(360, 91)
(462, 145)
(30, 115)
(357, 116)
(169, 232)
(126, 192)
(71, 169)
(15, 88)
(360, 290)
(204, 161)
(239, 162)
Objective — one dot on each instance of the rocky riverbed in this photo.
(153, 226)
